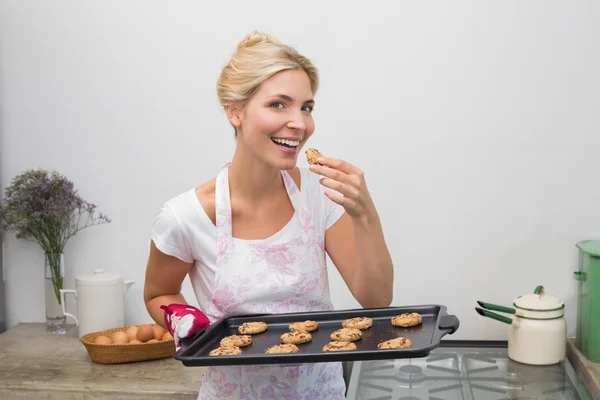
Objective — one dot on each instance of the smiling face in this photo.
(277, 120)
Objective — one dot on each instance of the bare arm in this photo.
(355, 242)
(358, 250)
(164, 276)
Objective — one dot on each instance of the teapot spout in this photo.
(127, 285)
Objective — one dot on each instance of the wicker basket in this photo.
(125, 353)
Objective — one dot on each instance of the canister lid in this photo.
(591, 247)
(539, 301)
(99, 278)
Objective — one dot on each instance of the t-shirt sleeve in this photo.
(168, 236)
(332, 210)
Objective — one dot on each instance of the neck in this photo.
(251, 178)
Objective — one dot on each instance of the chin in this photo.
(286, 165)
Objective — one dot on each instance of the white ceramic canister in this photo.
(100, 299)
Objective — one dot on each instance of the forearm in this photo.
(373, 269)
(153, 306)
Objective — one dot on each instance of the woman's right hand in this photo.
(184, 321)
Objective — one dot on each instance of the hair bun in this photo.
(255, 38)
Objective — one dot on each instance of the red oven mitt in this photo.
(184, 321)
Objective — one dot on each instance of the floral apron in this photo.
(281, 274)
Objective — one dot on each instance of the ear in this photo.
(233, 111)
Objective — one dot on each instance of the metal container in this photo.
(588, 278)
(537, 333)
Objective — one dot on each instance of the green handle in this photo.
(579, 276)
(495, 316)
(494, 307)
(539, 290)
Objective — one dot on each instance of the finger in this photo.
(331, 173)
(345, 190)
(336, 198)
(338, 164)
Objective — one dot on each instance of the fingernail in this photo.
(312, 167)
(320, 159)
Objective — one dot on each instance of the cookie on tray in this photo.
(226, 351)
(407, 320)
(282, 348)
(346, 335)
(296, 337)
(398, 343)
(305, 326)
(236, 341)
(358, 323)
(339, 346)
(312, 155)
(252, 328)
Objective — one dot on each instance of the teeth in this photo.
(288, 142)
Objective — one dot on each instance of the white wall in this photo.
(473, 122)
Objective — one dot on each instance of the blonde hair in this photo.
(258, 57)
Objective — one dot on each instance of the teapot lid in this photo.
(99, 278)
(539, 301)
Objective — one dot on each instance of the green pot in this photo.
(588, 278)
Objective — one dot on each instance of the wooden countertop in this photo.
(35, 365)
(588, 371)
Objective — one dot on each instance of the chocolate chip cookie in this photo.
(407, 320)
(252, 328)
(297, 337)
(236, 341)
(339, 346)
(358, 323)
(346, 335)
(312, 155)
(282, 348)
(226, 351)
(306, 326)
(398, 343)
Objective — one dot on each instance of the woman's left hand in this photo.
(348, 180)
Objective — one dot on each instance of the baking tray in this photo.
(425, 337)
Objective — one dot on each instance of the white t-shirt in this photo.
(183, 229)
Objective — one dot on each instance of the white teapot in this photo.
(538, 330)
(100, 301)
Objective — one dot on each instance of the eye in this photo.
(308, 108)
(277, 105)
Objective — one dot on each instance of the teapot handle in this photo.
(62, 303)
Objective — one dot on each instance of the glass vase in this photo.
(56, 321)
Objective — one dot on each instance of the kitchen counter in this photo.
(588, 371)
(35, 365)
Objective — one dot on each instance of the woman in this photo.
(253, 239)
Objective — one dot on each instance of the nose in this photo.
(297, 122)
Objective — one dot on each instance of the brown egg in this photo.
(119, 337)
(145, 333)
(152, 341)
(132, 332)
(167, 336)
(103, 340)
(159, 331)
(135, 341)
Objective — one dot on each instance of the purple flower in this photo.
(45, 207)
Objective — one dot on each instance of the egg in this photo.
(119, 337)
(167, 336)
(145, 333)
(132, 332)
(152, 341)
(159, 331)
(135, 341)
(102, 340)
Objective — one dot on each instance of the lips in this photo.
(287, 142)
